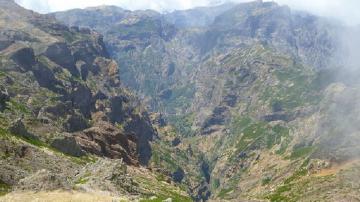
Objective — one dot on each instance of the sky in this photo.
(345, 10)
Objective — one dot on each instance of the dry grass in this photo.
(59, 196)
(336, 168)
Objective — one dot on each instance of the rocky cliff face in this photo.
(73, 65)
(62, 107)
(254, 94)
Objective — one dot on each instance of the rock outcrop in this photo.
(68, 145)
(60, 92)
(4, 97)
(106, 140)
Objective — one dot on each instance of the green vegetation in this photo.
(183, 124)
(301, 152)
(160, 177)
(252, 135)
(70, 37)
(278, 196)
(284, 145)
(161, 191)
(84, 179)
(5, 133)
(265, 180)
(222, 194)
(44, 60)
(284, 192)
(278, 132)
(35, 142)
(40, 144)
(4, 188)
(83, 160)
(296, 88)
(2, 74)
(173, 195)
(180, 98)
(16, 106)
(161, 156)
(215, 183)
(186, 91)
(257, 134)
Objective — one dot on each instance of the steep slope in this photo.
(266, 95)
(66, 123)
(164, 66)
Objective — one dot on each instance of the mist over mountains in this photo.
(345, 10)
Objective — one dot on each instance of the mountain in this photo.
(263, 98)
(197, 17)
(66, 121)
(237, 102)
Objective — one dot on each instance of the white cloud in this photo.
(346, 10)
(160, 5)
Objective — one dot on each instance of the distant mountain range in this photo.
(235, 102)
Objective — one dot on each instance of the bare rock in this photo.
(61, 55)
(81, 98)
(106, 140)
(75, 123)
(18, 128)
(68, 145)
(106, 175)
(24, 57)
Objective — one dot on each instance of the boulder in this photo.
(106, 140)
(18, 128)
(75, 123)
(68, 145)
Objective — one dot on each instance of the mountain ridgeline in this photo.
(237, 102)
(256, 89)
